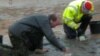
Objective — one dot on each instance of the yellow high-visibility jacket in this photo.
(72, 14)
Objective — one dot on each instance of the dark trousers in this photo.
(29, 40)
(71, 34)
(35, 38)
(19, 46)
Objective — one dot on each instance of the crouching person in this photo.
(27, 33)
(76, 17)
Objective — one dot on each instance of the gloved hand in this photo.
(82, 38)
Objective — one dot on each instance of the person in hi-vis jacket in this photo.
(76, 17)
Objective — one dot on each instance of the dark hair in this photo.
(52, 17)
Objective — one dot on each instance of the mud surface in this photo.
(13, 10)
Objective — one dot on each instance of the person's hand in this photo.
(67, 52)
(41, 51)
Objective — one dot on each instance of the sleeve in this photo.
(51, 37)
(69, 16)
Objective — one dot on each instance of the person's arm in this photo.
(51, 37)
(69, 16)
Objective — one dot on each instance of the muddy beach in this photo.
(13, 10)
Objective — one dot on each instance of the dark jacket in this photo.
(39, 21)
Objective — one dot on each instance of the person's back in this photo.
(34, 20)
(28, 22)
